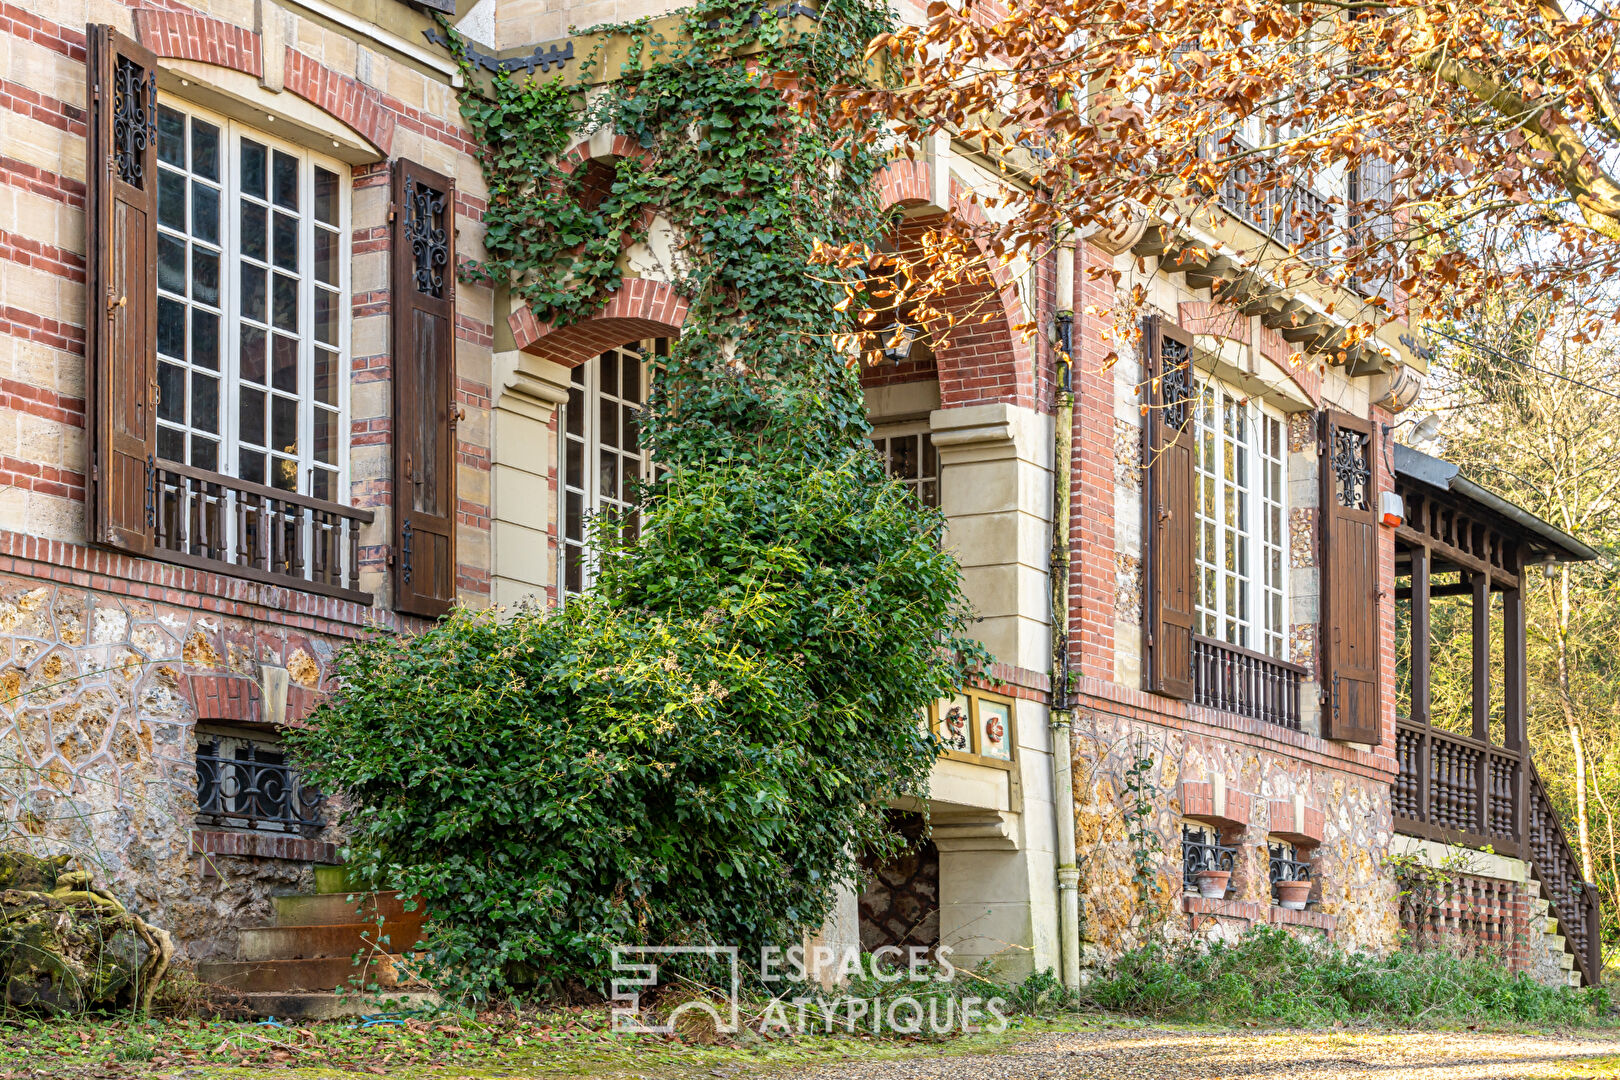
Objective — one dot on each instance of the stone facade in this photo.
(1342, 811)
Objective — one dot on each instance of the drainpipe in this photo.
(1062, 713)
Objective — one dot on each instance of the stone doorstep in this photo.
(325, 940)
(280, 976)
(332, 1006)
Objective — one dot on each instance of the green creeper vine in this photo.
(750, 185)
(1140, 791)
(699, 748)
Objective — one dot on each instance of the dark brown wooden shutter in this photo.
(120, 287)
(424, 343)
(1349, 516)
(1168, 525)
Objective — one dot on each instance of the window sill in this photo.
(261, 845)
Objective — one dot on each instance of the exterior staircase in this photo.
(1545, 919)
(320, 944)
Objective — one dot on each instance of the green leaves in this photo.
(694, 750)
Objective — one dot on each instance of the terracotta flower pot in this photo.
(1293, 894)
(1212, 883)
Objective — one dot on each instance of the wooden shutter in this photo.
(1350, 611)
(1168, 525)
(423, 288)
(121, 287)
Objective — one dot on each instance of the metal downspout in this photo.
(1062, 714)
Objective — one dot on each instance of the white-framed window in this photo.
(1241, 478)
(253, 305)
(907, 453)
(601, 453)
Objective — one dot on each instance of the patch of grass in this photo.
(1270, 976)
(572, 1042)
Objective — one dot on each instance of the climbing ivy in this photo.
(696, 749)
(1137, 812)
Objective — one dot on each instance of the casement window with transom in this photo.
(603, 460)
(217, 270)
(1241, 476)
(1214, 534)
(252, 263)
(908, 455)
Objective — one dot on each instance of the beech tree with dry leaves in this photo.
(1424, 155)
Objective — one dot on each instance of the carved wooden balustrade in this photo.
(1234, 679)
(1460, 790)
(215, 522)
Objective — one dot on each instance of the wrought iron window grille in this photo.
(1200, 853)
(251, 786)
(1285, 866)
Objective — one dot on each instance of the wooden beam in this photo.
(1420, 634)
(1501, 578)
(1482, 657)
(1449, 588)
(1514, 662)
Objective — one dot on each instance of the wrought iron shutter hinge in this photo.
(405, 552)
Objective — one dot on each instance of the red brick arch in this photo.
(1218, 320)
(640, 309)
(182, 35)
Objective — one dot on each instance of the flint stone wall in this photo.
(1351, 808)
(100, 696)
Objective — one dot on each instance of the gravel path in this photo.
(1152, 1054)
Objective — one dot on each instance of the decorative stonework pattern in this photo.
(98, 745)
(1302, 644)
(1302, 537)
(1354, 888)
(1127, 588)
(1302, 432)
(1127, 455)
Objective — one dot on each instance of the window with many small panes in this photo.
(908, 456)
(1242, 520)
(253, 258)
(602, 456)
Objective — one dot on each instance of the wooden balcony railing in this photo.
(1286, 213)
(215, 522)
(1455, 789)
(1245, 682)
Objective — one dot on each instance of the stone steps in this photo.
(342, 909)
(320, 944)
(1541, 911)
(325, 940)
(281, 976)
(297, 1005)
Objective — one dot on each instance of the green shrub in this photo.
(690, 753)
(1269, 975)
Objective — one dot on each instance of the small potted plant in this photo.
(1212, 883)
(1293, 895)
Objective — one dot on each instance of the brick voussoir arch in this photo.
(987, 361)
(641, 308)
(183, 35)
(1218, 320)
